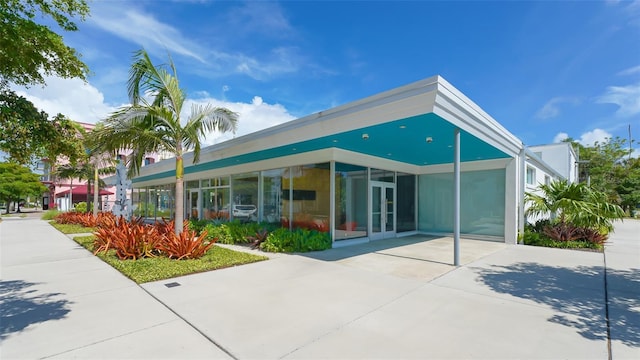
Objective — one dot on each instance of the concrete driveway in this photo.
(399, 299)
(405, 302)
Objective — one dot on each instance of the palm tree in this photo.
(152, 122)
(575, 203)
(84, 170)
(69, 171)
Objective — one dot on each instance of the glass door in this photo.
(383, 214)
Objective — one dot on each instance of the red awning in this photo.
(82, 190)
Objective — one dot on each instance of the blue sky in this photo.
(545, 70)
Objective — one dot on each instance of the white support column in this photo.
(456, 197)
(521, 179)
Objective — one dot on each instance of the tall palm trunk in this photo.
(70, 195)
(179, 215)
(88, 198)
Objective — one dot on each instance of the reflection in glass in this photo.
(310, 198)
(273, 211)
(245, 197)
(351, 186)
(406, 204)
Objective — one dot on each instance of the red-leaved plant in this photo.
(257, 239)
(135, 240)
(187, 245)
(130, 240)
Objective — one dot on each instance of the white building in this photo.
(422, 158)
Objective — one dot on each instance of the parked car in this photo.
(244, 211)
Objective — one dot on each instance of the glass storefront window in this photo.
(193, 184)
(406, 203)
(482, 202)
(245, 197)
(215, 203)
(165, 202)
(273, 182)
(138, 197)
(310, 196)
(351, 215)
(382, 175)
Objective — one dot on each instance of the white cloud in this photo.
(144, 30)
(560, 137)
(83, 102)
(77, 100)
(630, 71)
(590, 137)
(250, 18)
(248, 22)
(552, 108)
(626, 97)
(253, 116)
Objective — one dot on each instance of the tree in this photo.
(27, 134)
(69, 171)
(154, 125)
(86, 169)
(29, 50)
(608, 168)
(628, 187)
(574, 203)
(17, 182)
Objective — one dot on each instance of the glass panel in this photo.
(204, 183)
(310, 196)
(481, 202)
(215, 204)
(376, 205)
(382, 175)
(351, 201)
(389, 209)
(221, 181)
(273, 210)
(164, 203)
(245, 197)
(194, 184)
(138, 200)
(193, 205)
(406, 203)
(152, 201)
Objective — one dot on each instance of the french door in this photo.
(383, 210)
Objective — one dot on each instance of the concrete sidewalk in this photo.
(510, 302)
(622, 256)
(57, 300)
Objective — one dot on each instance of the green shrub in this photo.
(81, 207)
(298, 240)
(50, 214)
(589, 241)
(197, 225)
(219, 232)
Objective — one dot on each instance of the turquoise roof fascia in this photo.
(403, 140)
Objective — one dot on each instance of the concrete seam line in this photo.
(606, 305)
(354, 319)
(107, 339)
(192, 325)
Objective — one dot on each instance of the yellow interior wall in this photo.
(316, 180)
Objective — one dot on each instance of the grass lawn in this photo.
(159, 268)
(72, 228)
